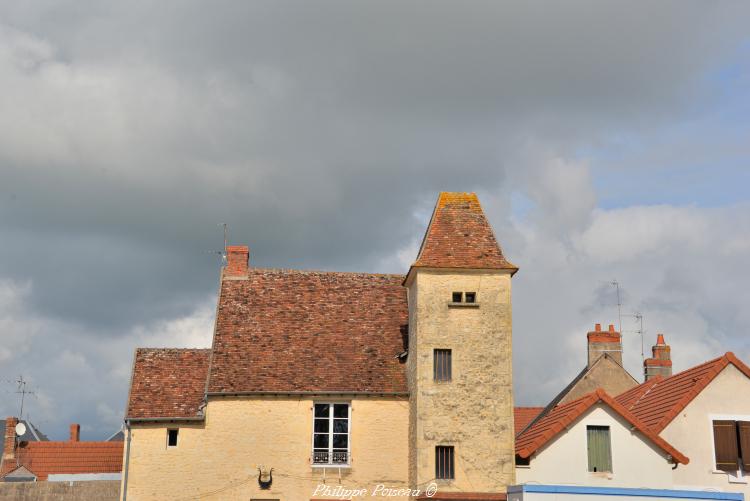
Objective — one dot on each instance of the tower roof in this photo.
(459, 236)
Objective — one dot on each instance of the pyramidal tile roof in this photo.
(658, 401)
(459, 236)
(557, 419)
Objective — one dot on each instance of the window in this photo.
(732, 446)
(444, 461)
(471, 297)
(442, 370)
(599, 448)
(458, 297)
(331, 434)
(172, 437)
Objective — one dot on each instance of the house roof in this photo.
(522, 416)
(459, 236)
(288, 331)
(658, 401)
(167, 383)
(46, 458)
(558, 419)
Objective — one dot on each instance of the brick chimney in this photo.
(237, 259)
(661, 362)
(75, 432)
(9, 446)
(600, 342)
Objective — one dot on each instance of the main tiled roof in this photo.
(557, 419)
(303, 331)
(658, 401)
(46, 458)
(459, 236)
(168, 383)
(522, 416)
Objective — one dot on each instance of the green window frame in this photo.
(599, 449)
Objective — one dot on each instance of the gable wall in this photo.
(606, 374)
(564, 460)
(691, 431)
(241, 433)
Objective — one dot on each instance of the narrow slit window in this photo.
(444, 462)
(172, 437)
(471, 297)
(442, 369)
(458, 297)
(599, 449)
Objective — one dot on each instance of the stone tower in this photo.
(460, 361)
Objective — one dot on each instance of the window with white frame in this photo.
(331, 429)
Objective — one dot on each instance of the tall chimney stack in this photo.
(75, 432)
(600, 343)
(661, 362)
(237, 260)
(9, 446)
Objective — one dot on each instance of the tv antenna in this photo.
(619, 305)
(21, 382)
(223, 252)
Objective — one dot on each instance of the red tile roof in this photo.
(522, 416)
(557, 419)
(459, 236)
(658, 401)
(47, 458)
(304, 331)
(167, 383)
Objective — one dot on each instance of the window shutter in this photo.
(599, 449)
(744, 432)
(725, 445)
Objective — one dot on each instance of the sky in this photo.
(607, 141)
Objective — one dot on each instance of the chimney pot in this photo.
(237, 260)
(598, 327)
(661, 362)
(660, 339)
(75, 432)
(611, 328)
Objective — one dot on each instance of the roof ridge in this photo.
(322, 272)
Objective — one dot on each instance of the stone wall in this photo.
(221, 456)
(100, 490)
(474, 411)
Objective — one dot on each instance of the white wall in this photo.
(691, 432)
(632, 495)
(564, 460)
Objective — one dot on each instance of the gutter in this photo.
(127, 464)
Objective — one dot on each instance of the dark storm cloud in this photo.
(317, 130)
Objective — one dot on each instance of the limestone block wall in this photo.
(474, 411)
(100, 490)
(219, 458)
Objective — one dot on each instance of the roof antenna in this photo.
(223, 252)
(23, 392)
(619, 305)
(639, 317)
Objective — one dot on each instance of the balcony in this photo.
(336, 458)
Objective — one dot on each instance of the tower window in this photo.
(442, 370)
(172, 437)
(458, 297)
(444, 461)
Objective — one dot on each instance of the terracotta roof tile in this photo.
(167, 383)
(657, 401)
(522, 416)
(46, 458)
(557, 419)
(304, 331)
(459, 236)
